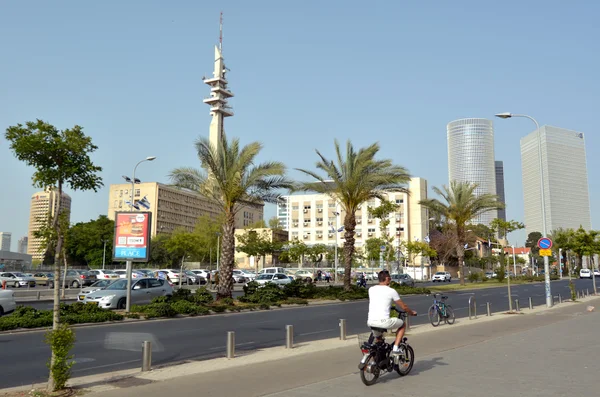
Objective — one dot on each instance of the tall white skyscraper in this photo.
(565, 180)
(5, 240)
(471, 158)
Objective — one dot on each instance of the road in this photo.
(112, 347)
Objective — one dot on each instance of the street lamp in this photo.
(129, 262)
(508, 115)
(104, 254)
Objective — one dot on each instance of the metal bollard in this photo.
(146, 356)
(39, 295)
(530, 304)
(342, 329)
(588, 293)
(407, 322)
(489, 310)
(559, 298)
(289, 336)
(472, 303)
(230, 344)
(517, 305)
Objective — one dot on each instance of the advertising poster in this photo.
(132, 236)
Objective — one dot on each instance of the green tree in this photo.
(59, 158)
(253, 243)
(586, 243)
(562, 242)
(231, 178)
(460, 205)
(182, 244)
(296, 250)
(159, 255)
(275, 224)
(351, 180)
(84, 243)
(207, 231)
(316, 253)
(373, 248)
(382, 212)
(503, 228)
(531, 243)
(482, 231)
(416, 248)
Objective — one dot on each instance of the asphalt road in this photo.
(106, 348)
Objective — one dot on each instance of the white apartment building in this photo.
(565, 180)
(5, 240)
(43, 204)
(312, 217)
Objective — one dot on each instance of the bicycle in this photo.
(376, 356)
(440, 309)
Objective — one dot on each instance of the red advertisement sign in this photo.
(132, 236)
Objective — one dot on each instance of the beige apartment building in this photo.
(172, 207)
(312, 217)
(243, 261)
(43, 204)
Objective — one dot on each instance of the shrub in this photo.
(226, 301)
(218, 308)
(203, 296)
(295, 301)
(268, 294)
(182, 294)
(500, 275)
(158, 310)
(186, 307)
(61, 341)
(474, 277)
(300, 289)
(251, 287)
(159, 299)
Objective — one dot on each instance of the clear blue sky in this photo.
(304, 73)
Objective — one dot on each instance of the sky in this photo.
(303, 73)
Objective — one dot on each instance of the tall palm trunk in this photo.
(460, 253)
(57, 257)
(227, 257)
(349, 226)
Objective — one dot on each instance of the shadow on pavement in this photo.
(419, 366)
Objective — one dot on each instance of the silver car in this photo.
(142, 293)
(17, 279)
(97, 286)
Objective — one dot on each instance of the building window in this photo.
(295, 207)
(399, 201)
(120, 203)
(120, 193)
(115, 205)
(137, 192)
(126, 192)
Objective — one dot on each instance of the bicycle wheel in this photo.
(406, 362)
(434, 316)
(449, 315)
(370, 372)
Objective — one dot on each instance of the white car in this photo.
(272, 270)
(134, 274)
(585, 273)
(7, 302)
(441, 277)
(173, 276)
(104, 274)
(250, 276)
(17, 279)
(201, 273)
(239, 276)
(596, 273)
(275, 278)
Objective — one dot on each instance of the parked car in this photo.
(275, 278)
(43, 278)
(7, 301)
(201, 273)
(596, 273)
(249, 275)
(304, 275)
(272, 270)
(238, 276)
(585, 273)
(97, 286)
(17, 279)
(173, 275)
(134, 274)
(441, 277)
(193, 278)
(490, 274)
(86, 277)
(148, 272)
(75, 279)
(403, 279)
(142, 292)
(104, 274)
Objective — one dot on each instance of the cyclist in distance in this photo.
(381, 298)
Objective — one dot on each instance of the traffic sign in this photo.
(544, 243)
(545, 252)
(382, 248)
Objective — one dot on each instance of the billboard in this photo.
(132, 236)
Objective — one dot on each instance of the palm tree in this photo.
(460, 207)
(230, 179)
(352, 180)
(562, 240)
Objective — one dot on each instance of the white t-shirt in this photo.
(381, 298)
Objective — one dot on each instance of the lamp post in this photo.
(130, 262)
(508, 115)
(560, 265)
(514, 260)
(104, 254)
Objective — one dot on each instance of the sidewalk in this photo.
(491, 355)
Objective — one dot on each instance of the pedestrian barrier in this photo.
(230, 344)
(530, 304)
(39, 295)
(588, 293)
(342, 329)
(472, 306)
(289, 336)
(489, 309)
(146, 355)
(559, 298)
(517, 308)
(407, 321)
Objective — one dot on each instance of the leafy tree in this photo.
(382, 212)
(503, 228)
(562, 241)
(586, 243)
(416, 248)
(159, 255)
(373, 248)
(256, 244)
(207, 232)
(482, 231)
(182, 244)
(531, 243)
(296, 250)
(231, 178)
(275, 224)
(354, 178)
(84, 243)
(316, 252)
(59, 158)
(460, 205)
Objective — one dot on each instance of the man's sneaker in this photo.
(399, 352)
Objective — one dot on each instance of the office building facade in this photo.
(22, 245)
(565, 183)
(471, 158)
(500, 188)
(43, 204)
(5, 241)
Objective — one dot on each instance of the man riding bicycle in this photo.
(381, 298)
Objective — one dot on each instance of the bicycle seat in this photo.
(376, 329)
(444, 297)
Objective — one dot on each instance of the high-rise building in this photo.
(471, 158)
(5, 240)
(312, 217)
(22, 245)
(43, 204)
(500, 189)
(174, 208)
(565, 180)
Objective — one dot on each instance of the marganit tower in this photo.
(471, 158)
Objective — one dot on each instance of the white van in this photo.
(270, 270)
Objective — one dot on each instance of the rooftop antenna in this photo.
(221, 32)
